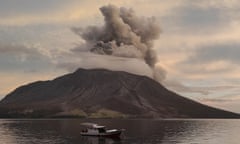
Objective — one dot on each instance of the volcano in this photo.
(101, 93)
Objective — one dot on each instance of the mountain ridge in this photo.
(101, 93)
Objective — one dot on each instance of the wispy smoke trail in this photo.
(124, 34)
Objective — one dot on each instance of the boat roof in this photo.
(92, 125)
(98, 126)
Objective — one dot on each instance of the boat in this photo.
(100, 131)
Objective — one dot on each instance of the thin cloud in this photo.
(27, 12)
(218, 52)
(204, 90)
(71, 62)
(223, 103)
(22, 58)
(192, 18)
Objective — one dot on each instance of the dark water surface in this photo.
(67, 131)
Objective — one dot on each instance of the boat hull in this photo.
(115, 134)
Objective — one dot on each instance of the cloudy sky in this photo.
(198, 47)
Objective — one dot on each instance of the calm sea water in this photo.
(65, 131)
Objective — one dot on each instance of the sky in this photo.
(198, 48)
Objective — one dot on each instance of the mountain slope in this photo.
(102, 93)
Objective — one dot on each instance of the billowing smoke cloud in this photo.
(123, 34)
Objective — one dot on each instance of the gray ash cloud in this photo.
(124, 34)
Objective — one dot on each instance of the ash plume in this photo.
(124, 34)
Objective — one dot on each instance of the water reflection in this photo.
(137, 131)
(26, 132)
(100, 140)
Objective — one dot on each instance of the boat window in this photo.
(101, 130)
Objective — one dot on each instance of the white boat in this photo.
(101, 131)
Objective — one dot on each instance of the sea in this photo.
(137, 131)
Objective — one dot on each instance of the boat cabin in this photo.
(94, 129)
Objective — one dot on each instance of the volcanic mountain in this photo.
(99, 93)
